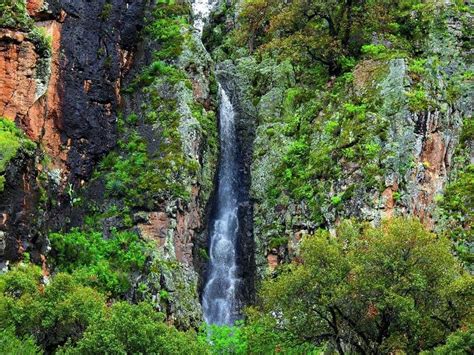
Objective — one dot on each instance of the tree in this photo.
(329, 32)
(12, 345)
(51, 314)
(135, 329)
(372, 290)
(304, 29)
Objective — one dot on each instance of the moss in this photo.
(106, 11)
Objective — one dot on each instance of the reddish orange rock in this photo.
(32, 101)
(18, 60)
(34, 6)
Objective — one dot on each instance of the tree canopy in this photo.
(372, 290)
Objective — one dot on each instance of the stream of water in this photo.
(219, 298)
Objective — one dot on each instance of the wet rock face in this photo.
(17, 211)
(96, 38)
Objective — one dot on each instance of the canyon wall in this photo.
(71, 77)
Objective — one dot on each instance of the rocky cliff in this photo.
(376, 142)
(95, 87)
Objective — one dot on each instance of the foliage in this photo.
(352, 133)
(67, 315)
(458, 343)
(144, 170)
(418, 100)
(14, 15)
(12, 345)
(104, 263)
(168, 20)
(254, 336)
(387, 289)
(457, 202)
(328, 32)
(53, 314)
(11, 141)
(106, 11)
(139, 175)
(135, 329)
(224, 339)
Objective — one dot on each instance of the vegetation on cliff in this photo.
(12, 140)
(359, 107)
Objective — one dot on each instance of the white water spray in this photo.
(219, 300)
(202, 10)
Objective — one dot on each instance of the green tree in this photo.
(330, 32)
(458, 343)
(372, 290)
(135, 329)
(10, 344)
(51, 314)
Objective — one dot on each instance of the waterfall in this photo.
(201, 11)
(219, 297)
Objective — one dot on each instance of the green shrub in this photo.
(72, 318)
(10, 344)
(418, 100)
(53, 313)
(11, 141)
(99, 262)
(460, 342)
(374, 50)
(135, 329)
(13, 14)
(106, 11)
(224, 339)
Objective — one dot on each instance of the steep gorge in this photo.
(175, 153)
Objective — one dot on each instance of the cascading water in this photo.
(201, 11)
(219, 298)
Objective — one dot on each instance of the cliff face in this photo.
(376, 142)
(61, 78)
(119, 101)
(74, 75)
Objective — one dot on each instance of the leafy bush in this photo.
(224, 339)
(373, 50)
(13, 14)
(11, 141)
(135, 329)
(75, 319)
(96, 261)
(12, 345)
(458, 343)
(51, 314)
(418, 100)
